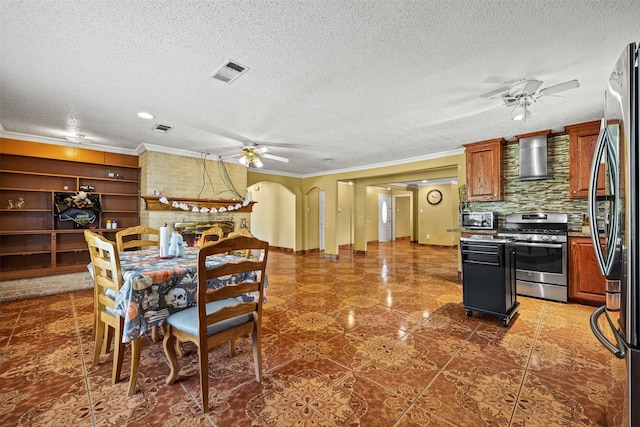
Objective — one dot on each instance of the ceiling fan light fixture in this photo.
(520, 113)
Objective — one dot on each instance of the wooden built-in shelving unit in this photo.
(33, 241)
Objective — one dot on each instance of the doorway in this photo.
(384, 217)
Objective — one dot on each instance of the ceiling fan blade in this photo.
(495, 92)
(532, 86)
(571, 84)
(262, 149)
(278, 158)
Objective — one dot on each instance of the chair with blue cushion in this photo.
(221, 314)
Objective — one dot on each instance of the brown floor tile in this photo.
(588, 402)
(356, 401)
(476, 396)
(380, 339)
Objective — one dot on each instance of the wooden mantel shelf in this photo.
(229, 206)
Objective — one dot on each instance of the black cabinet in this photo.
(489, 276)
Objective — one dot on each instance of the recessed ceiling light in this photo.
(145, 115)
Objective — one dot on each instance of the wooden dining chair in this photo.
(107, 275)
(210, 233)
(242, 232)
(220, 315)
(138, 237)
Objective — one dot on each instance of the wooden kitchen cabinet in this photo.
(587, 285)
(484, 170)
(33, 241)
(582, 144)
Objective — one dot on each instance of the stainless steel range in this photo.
(541, 253)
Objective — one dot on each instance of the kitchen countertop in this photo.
(479, 231)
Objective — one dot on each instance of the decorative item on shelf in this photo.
(80, 207)
(11, 204)
(21, 203)
(87, 188)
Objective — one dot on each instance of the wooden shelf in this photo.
(33, 241)
(153, 204)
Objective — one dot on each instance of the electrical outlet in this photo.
(428, 237)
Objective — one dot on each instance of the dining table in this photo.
(155, 287)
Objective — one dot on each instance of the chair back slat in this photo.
(214, 231)
(243, 265)
(138, 237)
(242, 232)
(231, 312)
(230, 291)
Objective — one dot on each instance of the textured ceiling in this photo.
(358, 82)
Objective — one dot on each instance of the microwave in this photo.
(480, 220)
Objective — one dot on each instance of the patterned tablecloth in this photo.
(154, 288)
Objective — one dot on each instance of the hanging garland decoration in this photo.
(199, 205)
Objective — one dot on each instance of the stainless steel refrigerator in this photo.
(614, 220)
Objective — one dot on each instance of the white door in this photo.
(384, 217)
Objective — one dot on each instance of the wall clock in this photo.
(434, 197)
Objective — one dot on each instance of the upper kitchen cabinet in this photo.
(484, 170)
(582, 144)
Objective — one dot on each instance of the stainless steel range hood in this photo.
(533, 158)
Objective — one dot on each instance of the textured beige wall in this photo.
(344, 217)
(434, 221)
(274, 215)
(403, 217)
(188, 177)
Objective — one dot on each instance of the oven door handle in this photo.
(481, 262)
(541, 245)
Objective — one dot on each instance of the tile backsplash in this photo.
(547, 195)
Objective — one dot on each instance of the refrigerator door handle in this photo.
(604, 142)
(618, 348)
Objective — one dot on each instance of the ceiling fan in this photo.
(524, 93)
(251, 154)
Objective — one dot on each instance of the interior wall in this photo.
(443, 166)
(344, 218)
(313, 218)
(435, 220)
(403, 226)
(274, 214)
(180, 176)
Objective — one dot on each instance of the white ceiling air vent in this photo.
(162, 128)
(229, 71)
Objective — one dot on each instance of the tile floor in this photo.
(369, 340)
